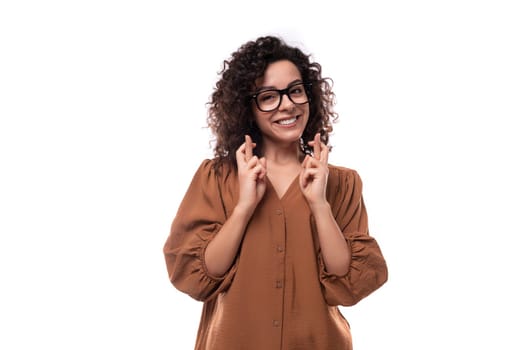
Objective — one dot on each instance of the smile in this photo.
(287, 121)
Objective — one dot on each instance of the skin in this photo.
(281, 164)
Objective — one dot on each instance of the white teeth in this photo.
(287, 121)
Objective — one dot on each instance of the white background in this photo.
(102, 107)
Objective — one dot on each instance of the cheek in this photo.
(256, 118)
(261, 119)
(306, 113)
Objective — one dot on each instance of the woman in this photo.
(270, 236)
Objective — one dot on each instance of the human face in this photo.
(285, 124)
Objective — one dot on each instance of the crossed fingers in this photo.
(320, 149)
(248, 161)
(315, 166)
(245, 152)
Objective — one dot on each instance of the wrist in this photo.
(320, 207)
(242, 212)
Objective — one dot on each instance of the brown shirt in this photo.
(277, 294)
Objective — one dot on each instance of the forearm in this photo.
(334, 248)
(222, 249)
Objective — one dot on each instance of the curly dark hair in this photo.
(230, 113)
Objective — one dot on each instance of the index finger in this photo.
(317, 146)
(248, 151)
(324, 153)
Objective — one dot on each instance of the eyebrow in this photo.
(264, 88)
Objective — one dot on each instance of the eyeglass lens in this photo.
(269, 100)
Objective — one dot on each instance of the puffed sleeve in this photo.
(368, 270)
(200, 216)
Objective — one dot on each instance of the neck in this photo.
(282, 154)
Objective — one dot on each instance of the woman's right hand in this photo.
(252, 176)
(224, 247)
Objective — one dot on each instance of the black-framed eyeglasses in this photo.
(270, 99)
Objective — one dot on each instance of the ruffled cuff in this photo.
(366, 273)
(188, 271)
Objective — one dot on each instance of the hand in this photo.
(314, 175)
(252, 176)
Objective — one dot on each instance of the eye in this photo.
(267, 96)
(297, 90)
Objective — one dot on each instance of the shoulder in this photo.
(213, 174)
(214, 168)
(343, 173)
(343, 179)
(215, 179)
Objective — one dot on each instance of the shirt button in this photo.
(280, 248)
(279, 212)
(279, 284)
(276, 323)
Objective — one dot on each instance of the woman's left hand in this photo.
(314, 176)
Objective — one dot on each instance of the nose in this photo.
(286, 103)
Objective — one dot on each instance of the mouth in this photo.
(287, 121)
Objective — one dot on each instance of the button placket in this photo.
(280, 264)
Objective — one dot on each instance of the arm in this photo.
(200, 216)
(313, 180)
(334, 249)
(341, 225)
(368, 270)
(202, 246)
(223, 249)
